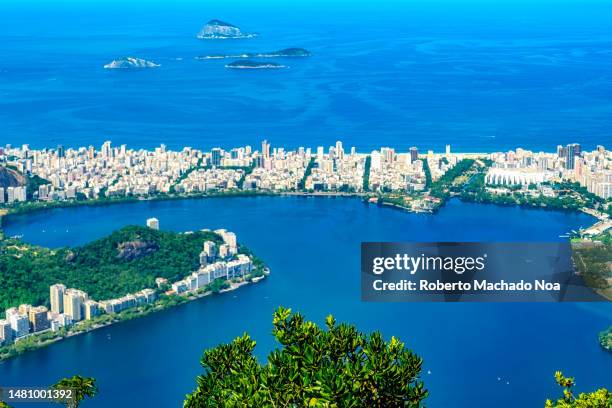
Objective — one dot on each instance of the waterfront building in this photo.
(223, 251)
(149, 295)
(203, 258)
(218, 270)
(210, 248)
(24, 309)
(181, 286)
(91, 309)
(153, 223)
(38, 319)
(74, 301)
(57, 297)
(6, 332)
(239, 267)
(230, 239)
(20, 324)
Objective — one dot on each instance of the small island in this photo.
(249, 64)
(220, 30)
(51, 294)
(284, 53)
(131, 63)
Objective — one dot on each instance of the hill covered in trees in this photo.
(127, 261)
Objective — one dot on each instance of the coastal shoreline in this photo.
(185, 298)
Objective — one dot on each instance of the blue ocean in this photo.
(481, 76)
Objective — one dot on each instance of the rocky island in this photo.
(284, 53)
(249, 64)
(130, 63)
(219, 30)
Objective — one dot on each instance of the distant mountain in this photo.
(131, 63)
(287, 52)
(11, 178)
(249, 64)
(217, 29)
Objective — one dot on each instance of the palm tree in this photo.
(82, 387)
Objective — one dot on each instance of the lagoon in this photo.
(312, 247)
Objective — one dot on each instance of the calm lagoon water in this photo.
(312, 246)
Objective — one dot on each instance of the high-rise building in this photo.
(414, 154)
(74, 301)
(91, 309)
(572, 150)
(320, 153)
(60, 151)
(24, 308)
(107, 150)
(211, 250)
(57, 297)
(448, 150)
(229, 238)
(6, 333)
(19, 324)
(43, 192)
(153, 223)
(16, 194)
(561, 152)
(339, 150)
(39, 319)
(223, 251)
(265, 149)
(215, 156)
(10, 194)
(2, 199)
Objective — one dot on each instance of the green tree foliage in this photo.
(83, 387)
(593, 260)
(366, 173)
(33, 184)
(125, 262)
(605, 339)
(4, 405)
(337, 367)
(601, 398)
(427, 171)
(307, 173)
(442, 187)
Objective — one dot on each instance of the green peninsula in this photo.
(126, 261)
